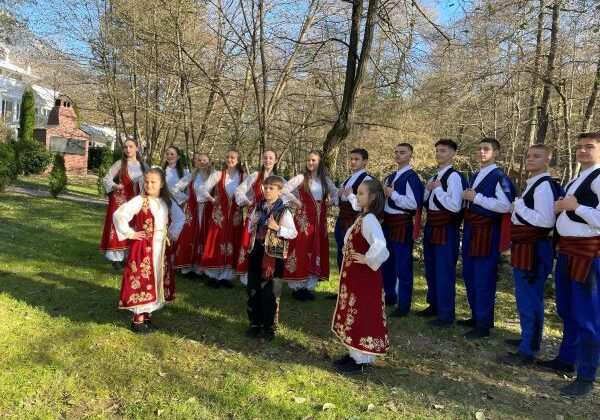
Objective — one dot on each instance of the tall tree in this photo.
(27, 117)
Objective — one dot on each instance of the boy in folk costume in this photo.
(249, 193)
(485, 236)
(359, 317)
(225, 224)
(189, 246)
(308, 255)
(404, 199)
(349, 210)
(532, 253)
(128, 173)
(148, 280)
(272, 226)
(441, 237)
(577, 275)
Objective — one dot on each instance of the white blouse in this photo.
(174, 186)
(231, 183)
(371, 230)
(315, 186)
(287, 227)
(124, 214)
(134, 170)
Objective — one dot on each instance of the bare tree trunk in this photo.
(589, 110)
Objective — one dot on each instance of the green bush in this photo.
(105, 164)
(8, 164)
(58, 176)
(96, 156)
(27, 117)
(32, 157)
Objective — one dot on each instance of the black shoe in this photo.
(399, 313)
(252, 332)
(140, 328)
(213, 283)
(148, 323)
(226, 284)
(342, 361)
(578, 388)
(352, 368)
(429, 311)
(439, 323)
(390, 301)
(556, 366)
(477, 333)
(116, 265)
(516, 359)
(299, 295)
(309, 295)
(514, 342)
(466, 322)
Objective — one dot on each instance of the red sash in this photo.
(397, 225)
(116, 198)
(186, 245)
(523, 240)
(347, 215)
(138, 287)
(439, 220)
(581, 252)
(481, 236)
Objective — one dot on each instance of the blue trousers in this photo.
(578, 305)
(397, 270)
(480, 275)
(440, 272)
(529, 294)
(339, 239)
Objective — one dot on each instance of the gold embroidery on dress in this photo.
(372, 344)
(145, 268)
(217, 215)
(148, 227)
(133, 266)
(242, 256)
(227, 249)
(188, 214)
(290, 263)
(135, 281)
(145, 204)
(237, 217)
(302, 221)
(139, 297)
(342, 328)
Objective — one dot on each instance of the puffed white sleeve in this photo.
(244, 189)
(177, 221)
(204, 192)
(333, 192)
(499, 204)
(108, 180)
(178, 189)
(287, 194)
(287, 227)
(123, 215)
(377, 253)
(352, 198)
(452, 199)
(542, 215)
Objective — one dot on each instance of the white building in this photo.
(13, 82)
(101, 135)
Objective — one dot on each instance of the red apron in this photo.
(186, 245)
(242, 262)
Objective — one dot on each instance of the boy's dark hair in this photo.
(448, 143)
(590, 135)
(362, 152)
(165, 194)
(274, 180)
(377, 197)
(407, 145)
(491, 140)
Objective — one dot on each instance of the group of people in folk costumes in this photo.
(375, 232)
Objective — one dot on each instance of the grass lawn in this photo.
(66, 351)
(77, 184)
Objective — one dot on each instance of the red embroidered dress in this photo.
(187, 244)
(117, 198)
(308, 254)
(242, 262)
(359, 317)
(145, 280)
(224, 228)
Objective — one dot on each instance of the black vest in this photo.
(528, 197)
(585, 196)
(358, 181)
(444, 181)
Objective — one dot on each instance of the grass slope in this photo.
(66, 351)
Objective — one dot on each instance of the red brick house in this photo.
(62, 135)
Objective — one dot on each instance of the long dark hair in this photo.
(274, 171)
(376, 196)
(165, 194)
(138, 156)
(321, 174)
(239, 166)
(178, 165)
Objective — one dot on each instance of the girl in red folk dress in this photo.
(189, 246)
(308, 253)
(148, 280)
(175, 172)
(249, 193)
(359, 317)
(224, 224)
(122, 182)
